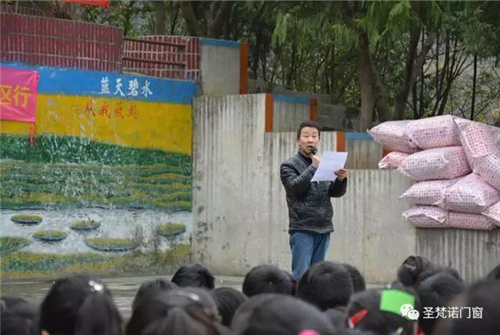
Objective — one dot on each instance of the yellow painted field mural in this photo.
(106, 186)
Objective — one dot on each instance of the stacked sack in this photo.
(456, 164)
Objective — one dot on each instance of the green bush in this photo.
(12, 243)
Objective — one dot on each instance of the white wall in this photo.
(220, 67)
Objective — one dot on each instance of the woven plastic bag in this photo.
(392, 136)
(478, 139)
(470, 194)
(470, 221)
(493, 213)
(434, 132)
(392, 160)
(488, 167)
(429, 193)
(435, 164)
(427, 217)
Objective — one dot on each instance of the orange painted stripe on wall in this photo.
(269, 112)
(341, 146)
(313, 110)
(244, 68)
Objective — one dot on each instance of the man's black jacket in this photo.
(309, 205)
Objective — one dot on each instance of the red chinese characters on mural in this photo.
(132, 111)
(109, 110)
(105, 111)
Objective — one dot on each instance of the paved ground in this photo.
(123, 289)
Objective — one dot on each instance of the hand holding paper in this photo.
(330, 162)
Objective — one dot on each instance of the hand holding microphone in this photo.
(316, 157)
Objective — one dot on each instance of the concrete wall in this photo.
(220, 67)
(364, 152)
(473, 252)
(239, 209)
(289, 112)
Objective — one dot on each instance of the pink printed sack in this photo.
(478, 139)
(470, 194)
(392, 160)
(427, 217)
(434, 164)
(488, 167)
(434, 132)
(429, 193)
(493, 213)
(392, 136)
(470, 221)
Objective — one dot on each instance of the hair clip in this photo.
(95, 286)
(308, 332)
(190, 295)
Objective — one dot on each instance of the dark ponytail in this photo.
(98, 316)
(79, 305)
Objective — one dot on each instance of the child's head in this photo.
(338, 316)
(381, 311)
(267, 279)
(358, 281)
(278, 314)
(411, 269)
(480, 310)
(437, 291)
(79, 304)
(326, 285)
(194, 275)
(18, 317)
(150, 288)
(228, 300)
(494, 274)
(180, 311)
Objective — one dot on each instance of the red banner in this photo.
(101, 3)
(18, 94)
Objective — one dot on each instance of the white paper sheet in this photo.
(330, 162)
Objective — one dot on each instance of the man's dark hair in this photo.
(267, 278)
(326, 285)
(194, 275)
(310, 124)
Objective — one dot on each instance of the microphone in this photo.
(314, 150)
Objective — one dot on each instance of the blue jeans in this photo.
(307, 249)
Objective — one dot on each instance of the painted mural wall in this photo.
(106, 185)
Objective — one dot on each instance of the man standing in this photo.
(309, 206)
